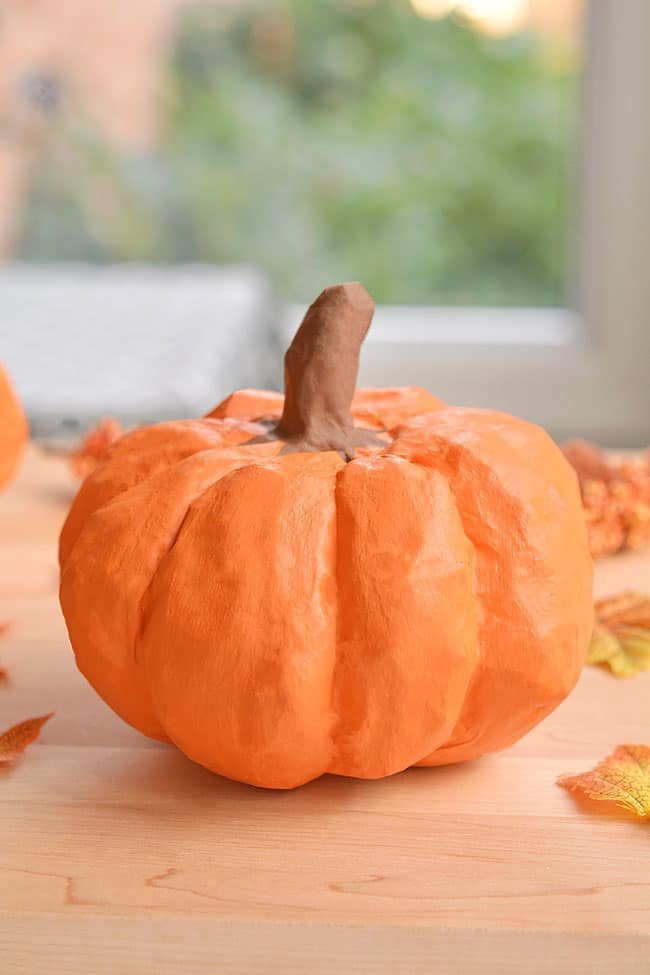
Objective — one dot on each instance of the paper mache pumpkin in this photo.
(330, 581)
(13, 429)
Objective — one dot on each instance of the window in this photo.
(425, 147)
(480, 164)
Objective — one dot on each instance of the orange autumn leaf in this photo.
(623, 778)
(15, 740)
(615, 497)
(621, 636)
(627, 608)
(94, 447)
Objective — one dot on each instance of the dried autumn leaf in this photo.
(15, 740)
(623, 778)
(621, 636)
(629, 607)
(615, 497)
(94, 447)
(588, 460)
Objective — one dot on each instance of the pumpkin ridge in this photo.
(202, 734)
(142, 608)
(475, 547)
(335, 714)
(451, 456)
(122, 500)
(395, 652)
(509, 512)
(143, 598)
(137, 642)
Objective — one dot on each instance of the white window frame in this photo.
(578, 373)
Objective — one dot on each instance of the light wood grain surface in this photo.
(119, 856)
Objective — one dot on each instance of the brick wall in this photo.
(103, 58)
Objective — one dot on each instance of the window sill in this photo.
(456, 326)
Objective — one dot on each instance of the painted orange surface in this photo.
(279, 616)
(13, 429)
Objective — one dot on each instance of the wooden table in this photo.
(117, 855)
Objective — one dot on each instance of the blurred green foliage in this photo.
(337, 140)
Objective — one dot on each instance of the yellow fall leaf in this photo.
(15, 740)
(621, 636)
(623, 778)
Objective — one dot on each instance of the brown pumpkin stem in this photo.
(320, 375)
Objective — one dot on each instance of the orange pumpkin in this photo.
(13, 429)
(329, 582)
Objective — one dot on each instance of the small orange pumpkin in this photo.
(330, 582)
(13, 429)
